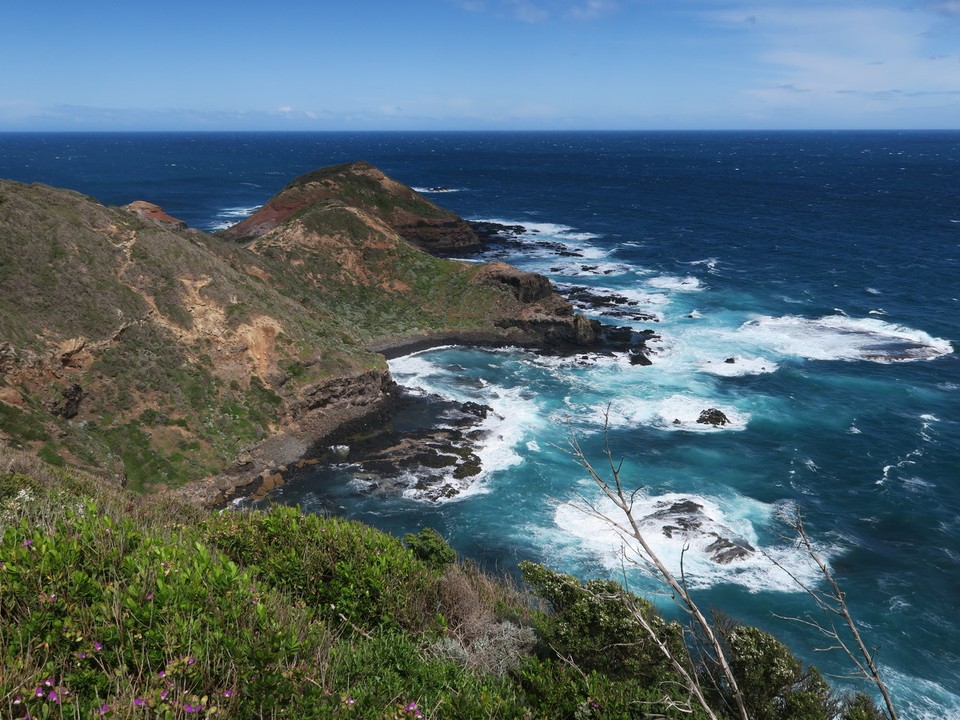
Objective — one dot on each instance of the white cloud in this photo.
(593, 9)
(538, 11)
(944, 7)
(836, 59)
(527, 11)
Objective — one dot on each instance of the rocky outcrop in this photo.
(526, 287)
(713, 416)
(544, 317)
(319, 410)
(686, 519)
(149, 211)
(67, 405)
(362, 186)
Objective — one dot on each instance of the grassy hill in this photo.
(161, 355)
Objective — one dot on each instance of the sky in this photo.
(479, 65)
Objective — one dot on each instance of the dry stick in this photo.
(618, 496)
(867, 667)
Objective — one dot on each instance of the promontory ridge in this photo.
(172, 358)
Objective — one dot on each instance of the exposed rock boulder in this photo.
(687, 519)
(67, 405)
(713, 416)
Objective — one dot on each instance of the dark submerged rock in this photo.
(686, 518)
(713, 416)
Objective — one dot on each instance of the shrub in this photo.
(772, 680)
(595, 624)
(339, 566)
(98, 614)
(429, 546)
(556, 690)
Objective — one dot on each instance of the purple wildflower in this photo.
(191, 661)
(148, 596)
(97, 646)
(18, 699)
(38, 692)
(163, 694)
(81, 656)
(53, 697)
(27, 543)
(162, 673)
(190, 709)
(138, 702)
(104, 709)
(227, 693)
(48, 682)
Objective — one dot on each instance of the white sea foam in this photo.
(544, 231)
(736, 519)
(436, 190)
(873, 291)
(710, 263)
(920, 699)
(231, 216)
(740, 366)
(515, 414)
(587, 269)
(838, 337)
(670, 282)
(676, 412)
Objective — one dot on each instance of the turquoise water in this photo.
(824, 264)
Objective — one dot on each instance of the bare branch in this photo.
(834, 602)
(623, 501)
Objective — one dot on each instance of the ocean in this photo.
(805, 284)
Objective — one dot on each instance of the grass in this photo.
(117, 606)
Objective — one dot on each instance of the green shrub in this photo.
(387, 676)
(595, 624)
(861, 707)
(95, 614)
(429, 546)
(772, 680)
(339, 566)
(556, 690)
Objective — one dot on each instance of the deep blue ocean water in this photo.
(826, 265)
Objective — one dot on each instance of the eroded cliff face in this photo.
(164, 355)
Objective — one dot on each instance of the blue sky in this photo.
(479, 64)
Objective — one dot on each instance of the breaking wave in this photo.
(838, 337)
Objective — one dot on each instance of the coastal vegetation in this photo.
(116, 605)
